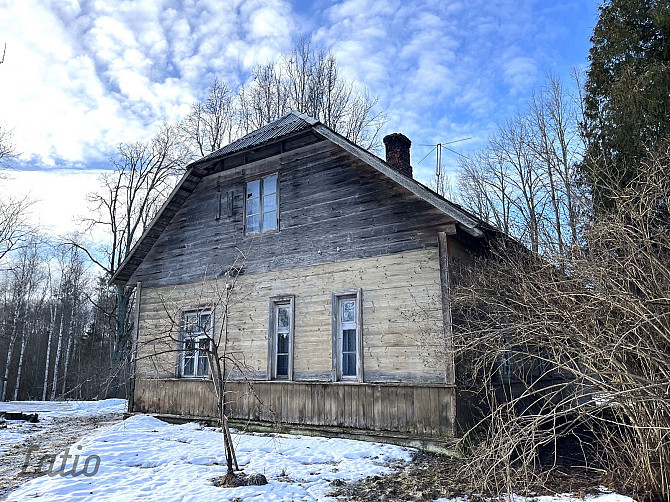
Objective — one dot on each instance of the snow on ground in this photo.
(49, 411)
(143, 458)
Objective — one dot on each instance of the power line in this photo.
(439, 147)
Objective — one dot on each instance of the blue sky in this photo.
(82, 76)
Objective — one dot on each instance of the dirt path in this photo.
(47, 437)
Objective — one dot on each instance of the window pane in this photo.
(282, 343)
(188, 366)
(269, 202)
(349, 364)
(270, 221)
(348, 311)
(203, 364)
(282, 317)
(253, 189)
(189, 323)
(253, 224)
(204, 323)
(282, 364)
(253, 206)
(349, 340)
(270, 184)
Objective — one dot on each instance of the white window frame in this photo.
(191, 331)
(261, 211)
(337, 328)
(275, 303)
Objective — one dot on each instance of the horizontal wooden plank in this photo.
(333, 207)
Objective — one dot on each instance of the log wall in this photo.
(402, 318)
(332, 207)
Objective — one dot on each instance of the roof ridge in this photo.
(289, 122)
(307, 118)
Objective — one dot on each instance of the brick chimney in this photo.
(397, 152)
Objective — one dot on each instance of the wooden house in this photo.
(340, 313)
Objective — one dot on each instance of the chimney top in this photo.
(397, 153)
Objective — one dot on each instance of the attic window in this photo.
(261, 205)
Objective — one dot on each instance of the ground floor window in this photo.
(347, 335)
(280, 339)
(195, 339)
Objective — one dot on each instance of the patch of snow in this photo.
(16, 431)
(50, 409)
(145, 458)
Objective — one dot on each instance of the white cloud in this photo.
(58, 197)
(82, 76)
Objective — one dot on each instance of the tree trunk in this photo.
(52, 325)
(24, 340)
(54, 381)
(67, 355)
(10, 349)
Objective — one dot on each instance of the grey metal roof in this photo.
(291, 122)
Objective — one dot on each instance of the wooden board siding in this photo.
(423, 411)
(333, 207)
(402, 319)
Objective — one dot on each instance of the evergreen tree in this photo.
(627, 92)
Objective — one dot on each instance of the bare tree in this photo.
(485, 187)
(555, 141)
(523, 181)
(200, 339)
(577, 355)
(130, 196)
(53, 311)
(211, 123)
(7, 148)
(309, 80)
(13, 226)
(25, 275)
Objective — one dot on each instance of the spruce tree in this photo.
(627, 92)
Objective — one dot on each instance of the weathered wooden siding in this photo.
(402, 318)
(332, 206)
(417, 410)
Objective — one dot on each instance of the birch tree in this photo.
(24, 274)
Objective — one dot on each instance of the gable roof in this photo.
(290, 124)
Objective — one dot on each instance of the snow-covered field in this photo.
(143, 458)
(49, 412)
